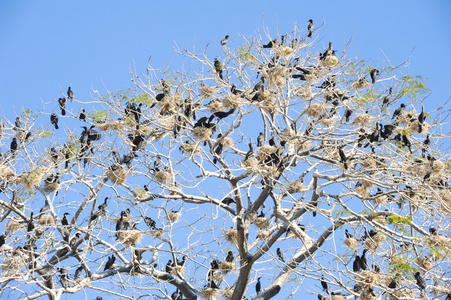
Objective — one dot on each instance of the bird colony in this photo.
(272, 166)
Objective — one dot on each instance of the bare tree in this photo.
(279, 167)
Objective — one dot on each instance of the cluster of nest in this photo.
(208, 293)
(232, 101)
(118, 174)
(262, 234)
(329, 61)
(114, 125)
(304, 92)
(296, 186)
(363, 119)
(173, 216)
(163, 176)
(316, 109)
(215, 105)
(45, 220)
(202, 133)
(436, 240)
(374, 242)
(188, 147)
(231, 235)
(226, 266)
(261, 222)
(129, 237)
(208, 91)
(350, 242)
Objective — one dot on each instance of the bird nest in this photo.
(51, 186)
(287, 134)
(156, 232)
(169, 106)
(163, 176)
(227, 142)
(117, 176)
(215, 105)
(329, 121)
(445, 200)
(425, 262)
(367, 277)
(173, 216)
(337, 297)
(114, 125)
(404, 294)
(5, 172)
(304, 92)
(360, 84)
(265, 151)
(232, 101)
(363, 119)
(251, 164)
(130, 237)
(33, 178)
(189, 147)
(296, 187)
(208, 293)
(362, 191)
(380, 220)
(202, 133)
(261, 222)
(262, 234)
(177, 270)
(208, 91)
(284, 50)
(379, 200)
(216, 276)
(374, 242)
(365, 183)
(231, 235)
(226, 266)
(415, 126)
(228, 294)
(368, 163)
(329, 61)
(315, 109)
(12, 263)
(45, 220)
(350, 242)
(439, 241)
(305, 145)
(268, 106)
(12, 226)
(367, 295)
(276, 76)
(438, 167)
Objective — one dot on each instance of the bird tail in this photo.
(310, 34)
(56, 126)
(63, 111)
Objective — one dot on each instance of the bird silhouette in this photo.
(54, 120)
(110, 262)
(310, 28)
(70, 94)
(258, 286)
(62, 104)
(224, 40)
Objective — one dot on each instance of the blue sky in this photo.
(91, 45)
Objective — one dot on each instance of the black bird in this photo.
(224, 40)
(120, 223)
(324, 284)
(74, 240)
(433, 231)
(348, 235)
(342, 157)
(260, 139)
(229, 257)
(250, 152)
(387, 132)
(270, 44)
(175, 294)
(54, 120)
(258, 286)
(406, 142)
(374, 137)
(169, 266)
(280, 254)
(393, 284)
(17, 124)
(421, 118)
(64, 221)
(28, 136)
(363, 263)
(426, 144)
(218, 67)
(13, 146)
(30, 224)
(182, 261)
(228, 201)
(78, 272)
(387, 98)
(310, 28)
(221, 114)
(150, 223)
(420, 281)
(110, 262)
(64, 281)
(356, 264)
(373, 74)
(348, 114)
(2, 240)
(82, 116)
(70, 94)
(62, 104)
(399, 111)
(93, 135)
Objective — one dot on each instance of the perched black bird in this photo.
(280, 254)
(28, 136)
(110, 262)
(54, 120)
(120, 223)
(228, 201)
(433, 231)
(218, 67)
(250, 152)
(230, 257)
(393, 284)
(64, 221)
(399, 111)
(387, 132)
(373, 74)
(13, 146)
(374, 137)
(221, 114)
(82, 116)
(30, 224)
(310, 28)
(224, 40)
(62, 104)
(78, 272)
(270, 44)
(348, 235)
(150, 223)
(420, 281)
(2, 240)
(169, 266)
(258, 286)
(356, 264)
(74, 240)
(70, 94)
(348, 114)
(343, 157)
(387, 98)
(64, 281)
(182, 261)
(324, 285)
(363, 263)
(260, 139)
(175, 295)
(406, 142)
(17, 124)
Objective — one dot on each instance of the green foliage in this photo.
(243, 54)
(98, 115)
(44, 133)
(416, 86)
(395, 220)
(401, 268)
(72, 148)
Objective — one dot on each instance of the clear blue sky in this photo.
(48, 45)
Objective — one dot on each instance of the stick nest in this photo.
(265, 151)
(114, 125)
(117, 176)
(208, 91)
(51, 187)
(208, 293)
(173, 216)
(350, 242)
(263, 234)
(202, 133)
(329, 61)
(296, 187)
(304, 92)
(156, 232)
(439, 241)
(45, 220)
(163, 176)
(315, 109)
(363, 119)
(12, 226)
(215, 105)
(232, 101)
(226, 266)
(33, 178)
(227, 142)
(130, 237)
(374, 242)
(404, 294)
(261, 222)
(251, 164)
(231, 235)
(425, 262)
(228, 294)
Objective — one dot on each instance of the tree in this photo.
(263, 171)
